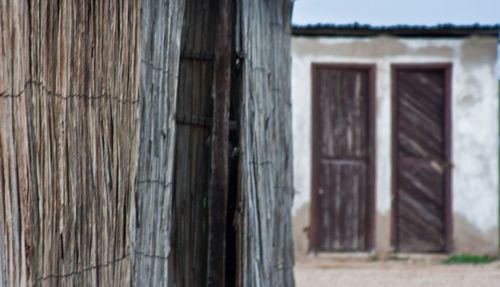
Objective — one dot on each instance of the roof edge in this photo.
(364, 30)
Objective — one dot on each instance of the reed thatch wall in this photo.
(69, 144)
(91, 142)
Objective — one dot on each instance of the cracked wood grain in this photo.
(266, 144)
(160, 52)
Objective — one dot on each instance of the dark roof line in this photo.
(364, 30)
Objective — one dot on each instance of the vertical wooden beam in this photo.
(266, 144)
(153, 202)
(217, 197)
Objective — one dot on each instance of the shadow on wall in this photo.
(470, 239)
(301, 231)
(467, 237)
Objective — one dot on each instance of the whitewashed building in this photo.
(395, 139)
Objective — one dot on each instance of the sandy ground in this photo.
(322, 273)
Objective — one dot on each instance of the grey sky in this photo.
(387, 12)
(391, 12)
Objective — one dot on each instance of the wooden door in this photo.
(342, 158)
(421, 156)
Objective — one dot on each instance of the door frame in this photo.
(448, 220)
(314, 227)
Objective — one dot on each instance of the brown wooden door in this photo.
(421, 155)
(342, 158)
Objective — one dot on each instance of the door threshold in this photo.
(419, 257)
(348, 256)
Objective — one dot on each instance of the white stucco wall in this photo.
(474, 133)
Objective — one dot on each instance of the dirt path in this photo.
(322, 273)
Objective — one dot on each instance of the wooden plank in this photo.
(421, 224)
(421, 209)
(219, 176)
(192, 158)
(153, 202)
(266, 139)
(344, 97)
(342, 195)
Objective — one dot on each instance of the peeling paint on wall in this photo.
(474, 135)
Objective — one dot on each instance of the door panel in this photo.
(342, 159)
(421, 205)
(343, 192)
(421, 98)
(343, 99)
(421, 163)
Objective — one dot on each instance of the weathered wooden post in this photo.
(219, 176)
(106, 111)
(266, 173)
